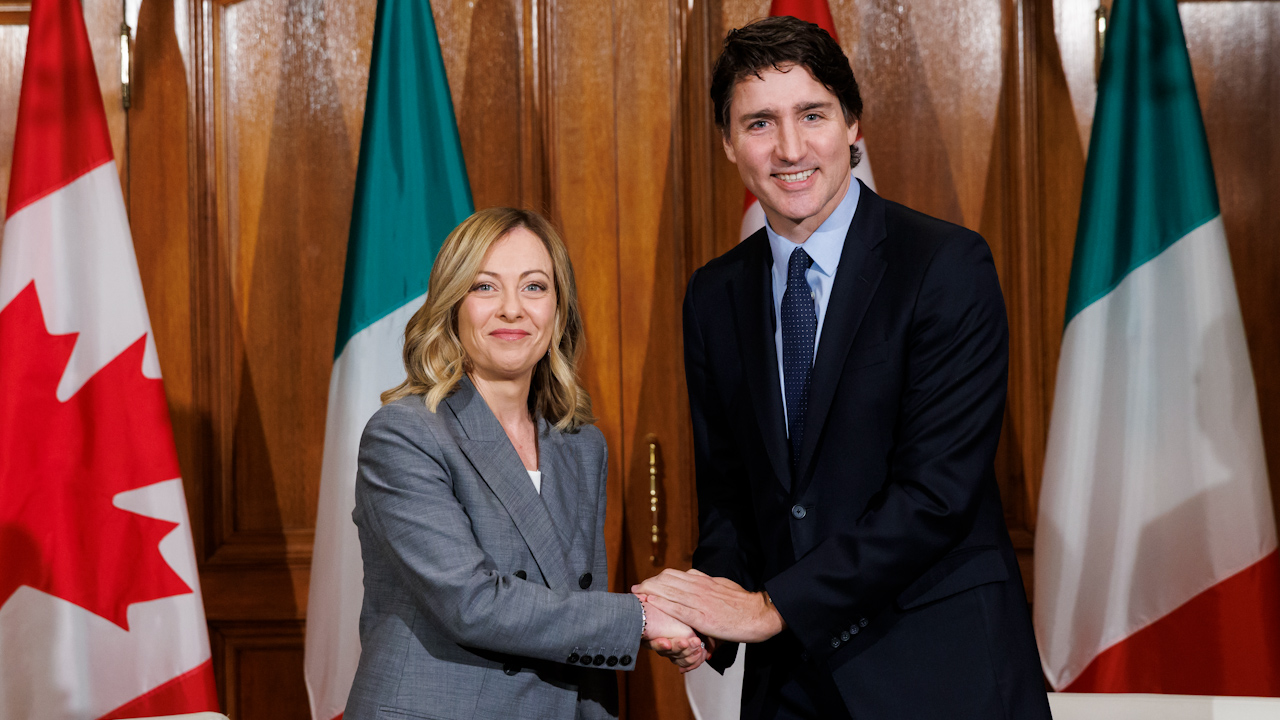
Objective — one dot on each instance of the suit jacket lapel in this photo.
(859, 274)
(559, 482)
(494, 457)
(753, 297)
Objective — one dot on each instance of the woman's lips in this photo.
(509, 334)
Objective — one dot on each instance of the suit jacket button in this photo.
(835, 642)
(853, 630)
(584, 582)
(573, 658)
(862, 622)
(613, 660)
(521, 574)
(844, 637)
(598, 661)
(625, 660)
(511, 669)
(586, 660)
(798, 512)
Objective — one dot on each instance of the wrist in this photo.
(774, 618)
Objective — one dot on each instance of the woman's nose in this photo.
(511, 307)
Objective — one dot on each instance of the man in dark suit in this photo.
(847, 371)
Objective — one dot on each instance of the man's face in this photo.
(788, 137)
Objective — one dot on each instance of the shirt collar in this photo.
(826, 243)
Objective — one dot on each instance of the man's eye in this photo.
(758, 124)
(813, 116)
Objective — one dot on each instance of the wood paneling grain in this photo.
(286, 175)
(257, 666)
(13, 50)
(651, 277)
(159, 127)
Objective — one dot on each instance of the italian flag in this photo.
(1156, 564)
(411, 190)
(100, 607)
(818, 13)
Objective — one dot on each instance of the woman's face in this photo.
(506, 319)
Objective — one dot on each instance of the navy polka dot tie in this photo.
(799, 328)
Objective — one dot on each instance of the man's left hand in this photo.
(717, 607)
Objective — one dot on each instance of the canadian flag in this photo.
(100, 608)
(818, 13)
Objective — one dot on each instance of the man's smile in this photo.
(796, 176)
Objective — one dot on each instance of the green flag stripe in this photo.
(1149, 180)
(411, 184)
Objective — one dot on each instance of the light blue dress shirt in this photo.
(824, 247)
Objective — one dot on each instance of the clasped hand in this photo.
(716, 608)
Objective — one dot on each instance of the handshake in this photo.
(689, 613)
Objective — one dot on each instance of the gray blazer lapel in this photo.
(559, 481)
(494, 457)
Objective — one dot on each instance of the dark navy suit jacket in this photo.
(886, 550)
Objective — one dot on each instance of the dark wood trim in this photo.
(15, 13)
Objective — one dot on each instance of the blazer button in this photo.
(613, 660)
(862, 622)
(586, 660)
(573, 658)
(835, 642)
(521, 574)
(511, 669)
(853, 630)
(798, 512)
(584, 582)
(844, 637)
(625, 660)
(598, 661)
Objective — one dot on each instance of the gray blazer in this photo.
(482, 598)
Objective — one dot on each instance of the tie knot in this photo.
(799, 262)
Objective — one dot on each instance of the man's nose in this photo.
(790, 146)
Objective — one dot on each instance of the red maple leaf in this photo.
(61, 463)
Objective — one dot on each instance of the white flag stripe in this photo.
(59, 661)
(1157, 406)
(75, 243)
(370, 363)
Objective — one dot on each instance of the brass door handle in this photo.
(653, 497)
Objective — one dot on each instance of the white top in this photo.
(536, 477)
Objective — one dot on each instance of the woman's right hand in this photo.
(672, 639)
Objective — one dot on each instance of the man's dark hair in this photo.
(778, 42)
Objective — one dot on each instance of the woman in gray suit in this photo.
(480, 502)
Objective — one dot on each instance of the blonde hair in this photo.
(434, 359)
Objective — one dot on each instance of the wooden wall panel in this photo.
(286, 175)
(13, 49)
(257, 668)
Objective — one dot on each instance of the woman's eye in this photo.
(535, 287)
(481, 287)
